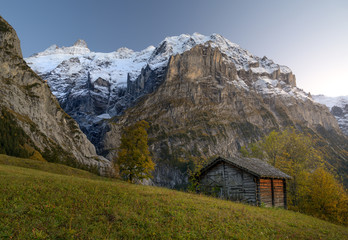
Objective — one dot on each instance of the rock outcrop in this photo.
(28, 99)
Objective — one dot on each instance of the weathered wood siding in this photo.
(229, 182)
(266, 192)
(278, 188)
(213, 182)
(272, 192)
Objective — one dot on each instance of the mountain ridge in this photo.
(171, 46)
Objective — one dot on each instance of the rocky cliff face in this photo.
(26, 97)
(338, 106)
(207, 106)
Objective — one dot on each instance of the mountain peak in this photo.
(80, 43)
(79, 48)
(123, 53)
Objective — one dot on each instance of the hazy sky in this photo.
(310, 37)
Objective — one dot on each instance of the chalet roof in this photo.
(254, 166)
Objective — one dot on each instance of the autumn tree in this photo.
(312, 189)
(134, 160)
(326, 197)
(292, 152)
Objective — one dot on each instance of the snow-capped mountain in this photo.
(203, 95)
(115, 66)
(91, 86)
(338, 106)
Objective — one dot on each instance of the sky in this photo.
(310, 37)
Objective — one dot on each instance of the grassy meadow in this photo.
(41, 200)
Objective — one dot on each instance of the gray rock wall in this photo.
(26, 96)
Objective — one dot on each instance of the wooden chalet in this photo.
(247, 180)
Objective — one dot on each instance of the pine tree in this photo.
(134, 160)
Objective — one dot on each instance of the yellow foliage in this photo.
(37, 156)
(293, 153)
(327, 198)
(134, 158)
(312, 189)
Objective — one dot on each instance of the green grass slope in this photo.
(57, 202)
(46, 166)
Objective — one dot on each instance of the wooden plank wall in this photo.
(278, 185)
(266, 191)
(229, 182)
(212, 182)
(272, 198)
(233, 184)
